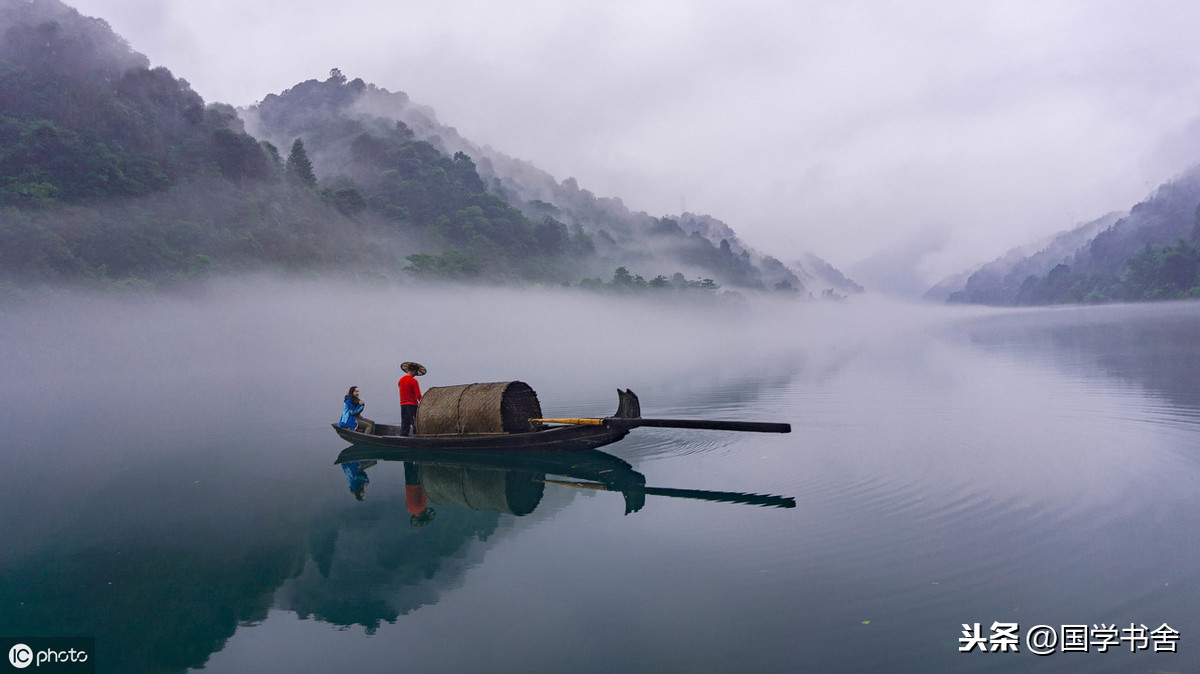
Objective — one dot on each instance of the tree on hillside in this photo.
(239, 156)
(465, 174)
(298, 167)
(1163, 272)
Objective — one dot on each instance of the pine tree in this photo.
(298, 167)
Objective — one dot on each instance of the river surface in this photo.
(169, 487)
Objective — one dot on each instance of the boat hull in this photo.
(560, 438)
(547, 438)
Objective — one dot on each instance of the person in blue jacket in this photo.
(353, 406)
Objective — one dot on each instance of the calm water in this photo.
(169, 486)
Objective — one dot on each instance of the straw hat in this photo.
(415, 369)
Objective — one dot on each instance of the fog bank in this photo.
(116, 360)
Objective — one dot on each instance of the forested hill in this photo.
(116, 173)
(1000, 281)
(83, 117)
(1150, 253)
(112, 172)
(379, 143)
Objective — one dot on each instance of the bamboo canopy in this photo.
(465, 409)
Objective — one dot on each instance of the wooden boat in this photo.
(561, 438)
(545, 434)
(543, 437)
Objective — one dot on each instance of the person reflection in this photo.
(415, 498)
(356, 475)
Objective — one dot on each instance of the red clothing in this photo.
(410, 391)
(415, 499)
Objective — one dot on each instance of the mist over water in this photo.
(169, 476)
(265, 348)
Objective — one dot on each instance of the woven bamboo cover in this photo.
(496, 407)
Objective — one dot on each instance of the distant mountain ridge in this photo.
(1151, 252)
(83, 116)
(999, 282)
(699, 245)
(115, 173)
(112, 172)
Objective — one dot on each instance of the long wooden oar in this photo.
(701, 494)
(709, 424)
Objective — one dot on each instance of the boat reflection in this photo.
(513, 482)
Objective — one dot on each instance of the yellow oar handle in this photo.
(576, 422)
(710, 424)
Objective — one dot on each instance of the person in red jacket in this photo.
(410, 396)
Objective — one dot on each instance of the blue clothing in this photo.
(350, 413)
(355, 475)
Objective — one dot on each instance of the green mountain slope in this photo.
(113, 172)
(482, 205)
(83, 117)
(1150, 253)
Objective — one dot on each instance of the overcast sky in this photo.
(839, 127)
